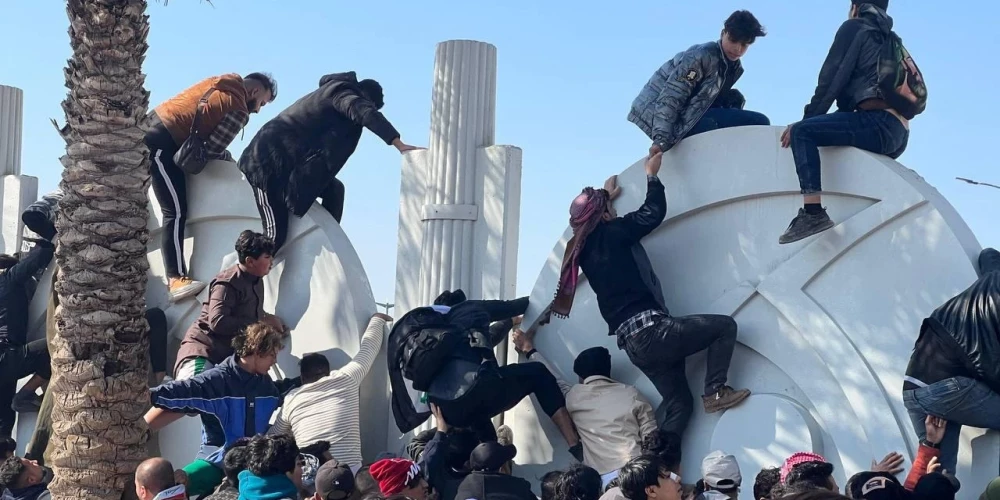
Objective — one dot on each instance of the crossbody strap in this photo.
(201, 105)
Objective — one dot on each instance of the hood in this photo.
(253, 487)
(349, 76)
(175, 493)
(875, 16)
(29, 493)
(232, 84)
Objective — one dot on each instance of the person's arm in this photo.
(415, 449)
(281, 425)
(499, 331)
(371, 344)
(222, 301)
(202, 393)
(525, 345)
(836, 70)
(286, 384)
(224, 133)
(650, 215)
(363, 112)
(433, 460)
(679, 86)
(930, 448)
(37, 259)
(643, 412)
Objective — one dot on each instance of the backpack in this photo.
(429, 341)
(900, 80)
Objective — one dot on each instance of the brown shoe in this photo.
(726, 398)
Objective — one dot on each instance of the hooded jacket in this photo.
(850, 73)
(299, 152)
(178, 113)
(253, 487)
(494, 486)
(16, 287)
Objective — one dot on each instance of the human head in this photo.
(579, 482)
(153, 476)
(814, 495)
(856, 6)
(256, 252)
(313, 367)
(739, 33)
(261, 89)
(334, 481)
(798, 458)
(550, 484)
(7, 261)
(18, 473)
(721, 473)
(589, 207)
(7, 447)
(235, 461)
(274, 456)
(257, 347)
(666, 446)
(764, 482)
(491, 456)
(811, 475)
(870, 485)
(364, 484)
(373, 91)
(647, 478)
(936, 485)
(595, 361)
(399, 476)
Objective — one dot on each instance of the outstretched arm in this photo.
(650, 215)
(678, 87)
(36, 260)
(363, 112)
(371, 343)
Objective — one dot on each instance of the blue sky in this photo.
(567, 74)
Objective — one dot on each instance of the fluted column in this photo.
(11, 110)
(16, 191)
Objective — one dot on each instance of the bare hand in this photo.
(655, 149)
(404, 147)
(523, 342)
(181, 477)
(276, 323)
(933, 465)
(786, 137)
(442, 425)
(612, 187)
(653, 164)
(935, 428)
(383, 317)
(892, 463)
(541, 320)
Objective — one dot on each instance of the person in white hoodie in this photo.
(720, 477)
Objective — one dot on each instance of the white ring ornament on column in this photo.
(826, 324)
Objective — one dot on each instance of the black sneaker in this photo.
(805, 225)
(989, 261)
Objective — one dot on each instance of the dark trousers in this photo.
(274, 212)
(879, 132)
(716, 118)
(170, 188)
(660, 350)
(16, 363)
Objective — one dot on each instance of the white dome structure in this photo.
(826, 325)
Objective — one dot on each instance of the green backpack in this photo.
(900, 80)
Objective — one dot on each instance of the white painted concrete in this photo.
(318, 287)
(16, 193)
(826, 324)
(11, 115)
(460, 199)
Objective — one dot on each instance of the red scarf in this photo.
(584, 215)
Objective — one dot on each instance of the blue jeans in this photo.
(877, 131)
(960, 401)
(716, 118)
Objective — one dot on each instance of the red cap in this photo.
(393, 474)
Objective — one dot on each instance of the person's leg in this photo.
(719, 118)
(333, 199)
(157, 342)
(960, 401)
(522, 379)
(31, 359)
(952, 433)
(8, 387)
(273, 215)
(170, 188)
(674, 412)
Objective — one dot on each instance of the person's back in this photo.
(15, 277)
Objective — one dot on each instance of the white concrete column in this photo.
(11, 111)
(16, 191)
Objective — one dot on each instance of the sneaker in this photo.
(26, 402)
(805, 225)
(989, 261)
(505, 436)
(726, 398)
(184, 287)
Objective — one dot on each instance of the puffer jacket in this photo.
(680, 93)
(850, 73)
(302, 149)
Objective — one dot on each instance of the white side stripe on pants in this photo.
(270, 228)
(178, 244)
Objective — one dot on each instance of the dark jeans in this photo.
(660, 350)
(960, 401)
(497, 391)
(17, 362)
(716, 118)
(879, 132)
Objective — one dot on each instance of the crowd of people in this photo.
(300, 437)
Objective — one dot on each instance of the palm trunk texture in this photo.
(100, 354)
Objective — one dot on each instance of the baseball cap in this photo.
(491, 456)
(721, 471)
(334, 481)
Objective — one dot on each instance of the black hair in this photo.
(593, 361)
(7, 261)
(235, 462)
(743, 27)
(365, 484)
(810, 475)
(550, 484)
(882, 4)
(614, 483)
(815, 495)
(579, 482)
(461, 442)
(313, 367)
(317, 449)
(665, 445)
(10, 471)
(7, 445)
(639, 474)
(251, 244)
(765, 481)
(267, 81)
(272, 456)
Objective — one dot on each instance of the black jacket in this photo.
(302, 149)
(16, 284)
(494, 486)
(616, 269)
(850, 72)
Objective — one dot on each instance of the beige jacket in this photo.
(611, 418)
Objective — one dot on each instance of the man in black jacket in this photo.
(864, 120)
(18, 357)
(295, 157)
(609, 250)
(954, 371)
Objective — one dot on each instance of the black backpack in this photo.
(900, 80)
(428, 342)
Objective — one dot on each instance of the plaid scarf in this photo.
(584, 215)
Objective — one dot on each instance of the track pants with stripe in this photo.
(170, 187)
(274, 212)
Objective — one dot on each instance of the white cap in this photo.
(721, 471)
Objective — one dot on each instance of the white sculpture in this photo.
(826, 324)
(16, 191)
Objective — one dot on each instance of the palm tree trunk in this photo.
(100, 356)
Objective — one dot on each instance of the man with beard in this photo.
(24, 479)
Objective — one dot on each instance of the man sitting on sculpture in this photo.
(608, 249)
(296, 156)
(954, 371)
(693, 92)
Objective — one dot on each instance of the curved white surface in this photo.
(317, 286)
(826, 324)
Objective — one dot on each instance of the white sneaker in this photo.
(184, 287)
